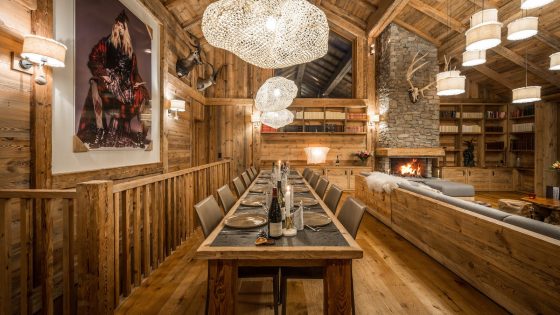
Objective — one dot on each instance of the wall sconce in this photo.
(372, 49)
(373, 118)
(256, 119)
(43, 52)
(177, 106)
(316, 155)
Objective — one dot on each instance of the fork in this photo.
(314, 229)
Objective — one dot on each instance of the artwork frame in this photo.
(74, 152)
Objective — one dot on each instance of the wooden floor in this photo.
(394, 277)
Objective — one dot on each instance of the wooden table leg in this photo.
(222, 286)
(338, 287)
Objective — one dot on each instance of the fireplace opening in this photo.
(410, 167)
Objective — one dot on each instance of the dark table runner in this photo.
(329, 235)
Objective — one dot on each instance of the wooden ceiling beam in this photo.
(190, 23)
(341, 70)
(549, 39)
(494, 76)
(299, 77)
(343, 26)
(170, 4)
(437, 15)
(418, 32)
(383, 16)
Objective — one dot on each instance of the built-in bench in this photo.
(512, 259)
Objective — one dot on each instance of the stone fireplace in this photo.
(408, 133)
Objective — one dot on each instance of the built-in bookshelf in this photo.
(324, 120)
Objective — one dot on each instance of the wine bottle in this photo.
(274, 217)
(337, 163)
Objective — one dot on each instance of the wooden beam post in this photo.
(341, 70)
(96, 247)
(383, 16)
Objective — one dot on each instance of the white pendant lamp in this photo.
(450, 83)
(526, 94)
(268, 33)
(277, 119)
(277, 93)
(474, 58)
(485, 31)
(523, 28)
(555, 61)
(532, 4)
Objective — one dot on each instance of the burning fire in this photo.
(411, 169)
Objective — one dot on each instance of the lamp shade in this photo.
(523, 28)
(277, 93)
(532, 4)
(555, 61)
(42, 50)
(450, 83)
(277, 119)
(474, 58)
(178, 105)
(316, 155)
(526, 94)
(485, 31)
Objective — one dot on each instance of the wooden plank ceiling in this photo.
(428, 19)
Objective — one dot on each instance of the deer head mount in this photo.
(414, 93)
(185, 65)
(203, 84)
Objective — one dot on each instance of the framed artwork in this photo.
(112, 83)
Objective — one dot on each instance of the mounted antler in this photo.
(414, 92)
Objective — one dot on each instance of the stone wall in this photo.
(404, 124)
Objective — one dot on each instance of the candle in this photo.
(288, 199)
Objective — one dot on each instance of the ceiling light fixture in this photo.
(523, 28)
(449, 82)
(555, 61)
(277, 93)
(277, 119)
(474, 58)
(526, 94)
(485, 31)
(268, 33)
(532, 4)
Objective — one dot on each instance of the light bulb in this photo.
(271, 23)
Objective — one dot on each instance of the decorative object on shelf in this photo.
(555, 166)
(526, 94)
(474, 58)
(276, 94)
(268, 33)
(555, 61)
(203, 84)
(184, 66)
(485, 31)
(523, 28)
(43, 52)
(256, 119)
(277, 119)
(176, 106)
(363, 156)
(450, 82)
(414, 93)
(468, 153)
(532, 4)
(316, 155)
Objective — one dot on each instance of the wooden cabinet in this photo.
(344, 177)
(483, 179)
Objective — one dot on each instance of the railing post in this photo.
(96, 247)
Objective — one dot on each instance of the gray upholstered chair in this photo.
(239, 186)
(251, 174)
(305, 172)
(226, 197)
(246, 179)
(309, 174)
(350, 216)
(321, 188)
(254, 169)
(313, 180)
(332, 198)
(210, 215)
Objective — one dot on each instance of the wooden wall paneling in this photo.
(546, 146)
(15, 19)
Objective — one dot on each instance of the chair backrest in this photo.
(333, 197)
(246, 179)
(309, 174)
(226, 197)
(321, 188)
(305, 172)
(351, 214)
(254, 169)
(209, 214)
(239, 187)
(313, 180)
(251, 174)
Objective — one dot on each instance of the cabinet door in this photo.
(352, 176)
(338, 177)
(480, 178)
(502, 180)
(454, 174)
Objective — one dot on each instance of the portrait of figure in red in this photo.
(116, 100)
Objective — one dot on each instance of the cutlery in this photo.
(312, 228)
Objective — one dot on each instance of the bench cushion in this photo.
(535, 226)
(451, 188)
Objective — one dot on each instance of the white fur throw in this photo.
(381, 182)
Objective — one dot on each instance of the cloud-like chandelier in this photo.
(277, 119)
(277, 93)
(268, 33)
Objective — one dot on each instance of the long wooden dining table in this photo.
(331, 248)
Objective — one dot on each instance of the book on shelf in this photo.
(493, 128)
(314, 115)
(523, 111)
(525, 127)
(497, 145)
(448, 128)
(495, 114)
(356, 116)
(266, 128)
(471, 129)
(355, 129)
(447, 114)
(473, 115)
(335, 115)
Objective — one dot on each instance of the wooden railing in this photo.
(79, 251)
